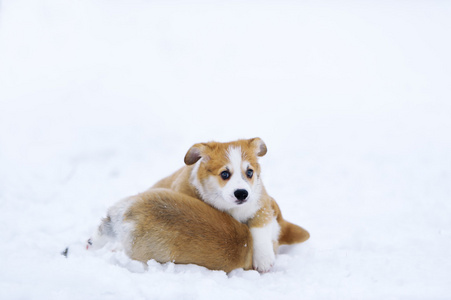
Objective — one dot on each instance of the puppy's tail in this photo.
(292, 234)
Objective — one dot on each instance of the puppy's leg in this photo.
(112, 228)
(104, 234)
(265, 239)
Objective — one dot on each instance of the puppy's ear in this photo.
(194, 154)
(259, 145)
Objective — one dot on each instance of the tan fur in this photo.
(170, 226)
(169, 222)
(289, 232)
(251, 149)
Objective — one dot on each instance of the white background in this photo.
(99, 99)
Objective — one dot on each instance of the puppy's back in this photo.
(170, 226)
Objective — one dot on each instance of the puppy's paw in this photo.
(96, 242)
(263, 262)
(89, 244)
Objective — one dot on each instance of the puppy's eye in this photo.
(249, 173)
(225, 175)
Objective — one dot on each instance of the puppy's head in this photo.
(227, 175)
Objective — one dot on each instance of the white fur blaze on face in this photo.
(236, 181)
(245, 210)
(263, 237)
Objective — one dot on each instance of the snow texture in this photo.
(99, 99)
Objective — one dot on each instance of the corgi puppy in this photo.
(167, 226)
(227, 177)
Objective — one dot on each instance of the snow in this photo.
(99, 99)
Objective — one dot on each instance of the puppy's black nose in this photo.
(241, 194)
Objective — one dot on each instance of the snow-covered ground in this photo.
(101, 98)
